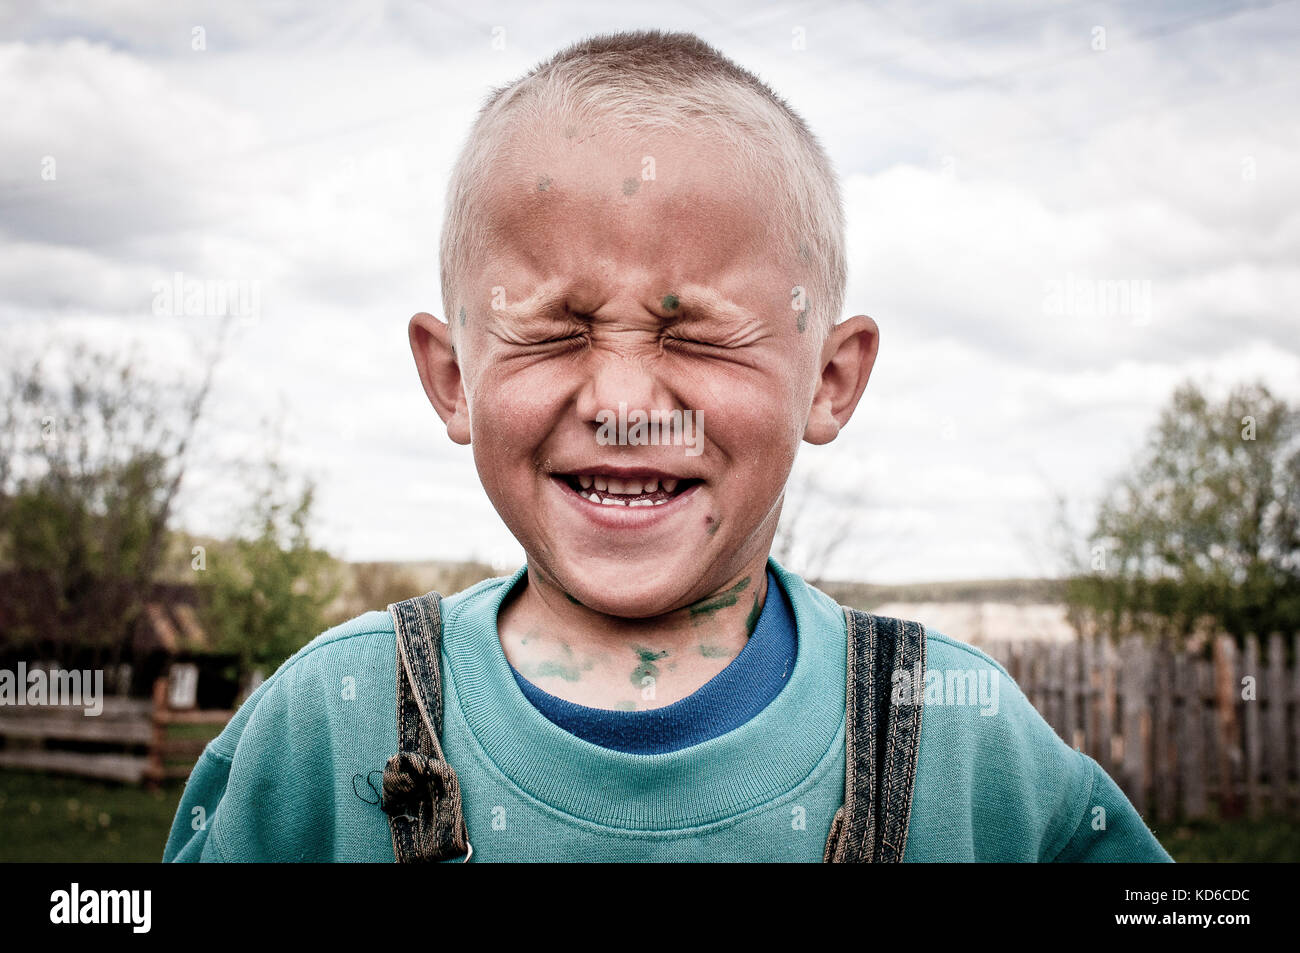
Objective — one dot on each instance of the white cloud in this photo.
(307, 149)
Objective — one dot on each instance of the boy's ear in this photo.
(847, 359)
(435, 359)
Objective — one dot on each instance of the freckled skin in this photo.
(527, 383)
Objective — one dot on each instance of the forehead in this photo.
(657, 208)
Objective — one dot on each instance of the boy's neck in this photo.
(603, 661)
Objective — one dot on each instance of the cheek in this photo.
(753, 417)
(512, 412)
(508, 406)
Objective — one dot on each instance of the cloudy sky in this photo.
(1000, 161)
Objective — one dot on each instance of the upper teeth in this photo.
(624, 487)
(595, 488)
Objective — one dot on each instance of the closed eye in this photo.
(687, 343)
(565, 340)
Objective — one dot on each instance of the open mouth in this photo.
(636, 491)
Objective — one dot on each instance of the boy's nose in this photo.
(616, 378)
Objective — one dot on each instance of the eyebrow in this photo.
(695, 304)
(702, 303)
(545, 301)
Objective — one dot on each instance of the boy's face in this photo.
(605, 287)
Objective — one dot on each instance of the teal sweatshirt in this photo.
(295, 774)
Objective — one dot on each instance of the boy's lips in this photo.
(625, 497)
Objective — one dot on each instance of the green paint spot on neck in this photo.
(670, 302)
(647, 668)
(648, 655)
(552, 669)
(751, 621)
(728, 597)
(462, 315)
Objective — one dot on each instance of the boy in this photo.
(642, 264)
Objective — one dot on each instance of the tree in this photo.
(91, 462)
(1205, 527)
(268, 589)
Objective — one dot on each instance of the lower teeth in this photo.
(611, 501)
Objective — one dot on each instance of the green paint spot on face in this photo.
(647, 668)
(752, 619)
(462, 316)
(804, 253)
(712, 651)
(571, 599)
(543, 183)
(706, 608)
(801, 320)
(713, 524)
(630, 186)
(670, 302)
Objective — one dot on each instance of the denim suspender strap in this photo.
(882, 737)
(421, 793)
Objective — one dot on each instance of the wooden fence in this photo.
(1185, 736)
(135, 730)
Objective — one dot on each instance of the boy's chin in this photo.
(656, 585)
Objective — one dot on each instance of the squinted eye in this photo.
(685, 343)
(574, 339)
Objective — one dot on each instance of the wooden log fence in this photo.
(137, 732)
(1186, 735)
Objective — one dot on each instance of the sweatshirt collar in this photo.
(722, 777)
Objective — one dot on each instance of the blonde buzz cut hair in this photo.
(650, 81)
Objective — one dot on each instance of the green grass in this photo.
(1272, 840)
(51, 818)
